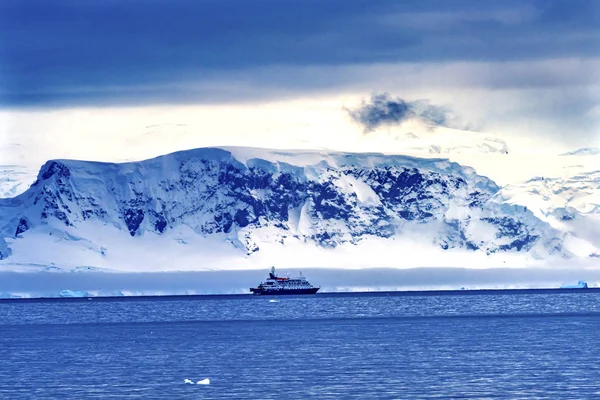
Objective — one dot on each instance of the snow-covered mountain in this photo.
(245, 207)
(505, 158)
(569, 201)
(446, 141)
(570, 204)
(14, 180)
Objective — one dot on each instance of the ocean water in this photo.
(356, 346)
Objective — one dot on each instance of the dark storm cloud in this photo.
(67, 52)
(383, 109)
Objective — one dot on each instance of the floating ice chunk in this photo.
(579, 285)
(273, 301)
(204, 382)
(188, 381)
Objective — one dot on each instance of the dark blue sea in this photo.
(523, 344)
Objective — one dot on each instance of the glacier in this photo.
(234, 208)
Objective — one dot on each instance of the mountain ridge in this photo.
(249, 201)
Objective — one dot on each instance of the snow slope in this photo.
(239, 208)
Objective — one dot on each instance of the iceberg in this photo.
(579, 285)
(73, 293)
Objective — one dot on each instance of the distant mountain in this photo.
(14, 180)
(417, 137)
(235, 207)
(587, 151)
(570, 204)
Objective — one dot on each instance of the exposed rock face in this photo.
(325, 198)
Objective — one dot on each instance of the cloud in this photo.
(524, 66)
(385, 110)
(67, 52)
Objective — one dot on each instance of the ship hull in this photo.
(278, 292)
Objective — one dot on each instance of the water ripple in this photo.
(351, 347)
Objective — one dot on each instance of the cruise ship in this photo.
(275, 285)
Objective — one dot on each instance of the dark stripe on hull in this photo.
(278, 292)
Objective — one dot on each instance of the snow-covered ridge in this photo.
(236, 207)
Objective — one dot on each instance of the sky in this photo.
(114, 80)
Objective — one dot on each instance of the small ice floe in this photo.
(273, 301)
(205, 381)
